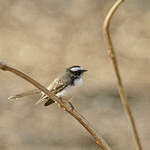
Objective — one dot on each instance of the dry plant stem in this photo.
(98, 138)
(112, 57)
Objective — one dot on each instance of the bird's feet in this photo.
(72, 107)
(67, 104)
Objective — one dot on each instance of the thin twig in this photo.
(113, 59)
(98, 138)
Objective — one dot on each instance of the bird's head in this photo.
(76, 71)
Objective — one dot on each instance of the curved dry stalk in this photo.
(112, 56)
(98, 138)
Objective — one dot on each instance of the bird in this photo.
(64, 86)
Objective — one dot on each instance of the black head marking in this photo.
(76, 71)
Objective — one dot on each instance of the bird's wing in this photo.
(56, 86)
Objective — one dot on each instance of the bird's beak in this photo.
(84, 70)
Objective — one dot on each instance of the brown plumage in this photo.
(56, 86)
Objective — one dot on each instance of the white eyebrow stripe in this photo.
(76, 68)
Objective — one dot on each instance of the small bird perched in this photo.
(64, 87)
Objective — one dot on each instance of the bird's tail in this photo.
(27, 93)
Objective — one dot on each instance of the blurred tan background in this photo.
(42, 38)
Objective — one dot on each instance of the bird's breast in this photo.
(70, 90)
